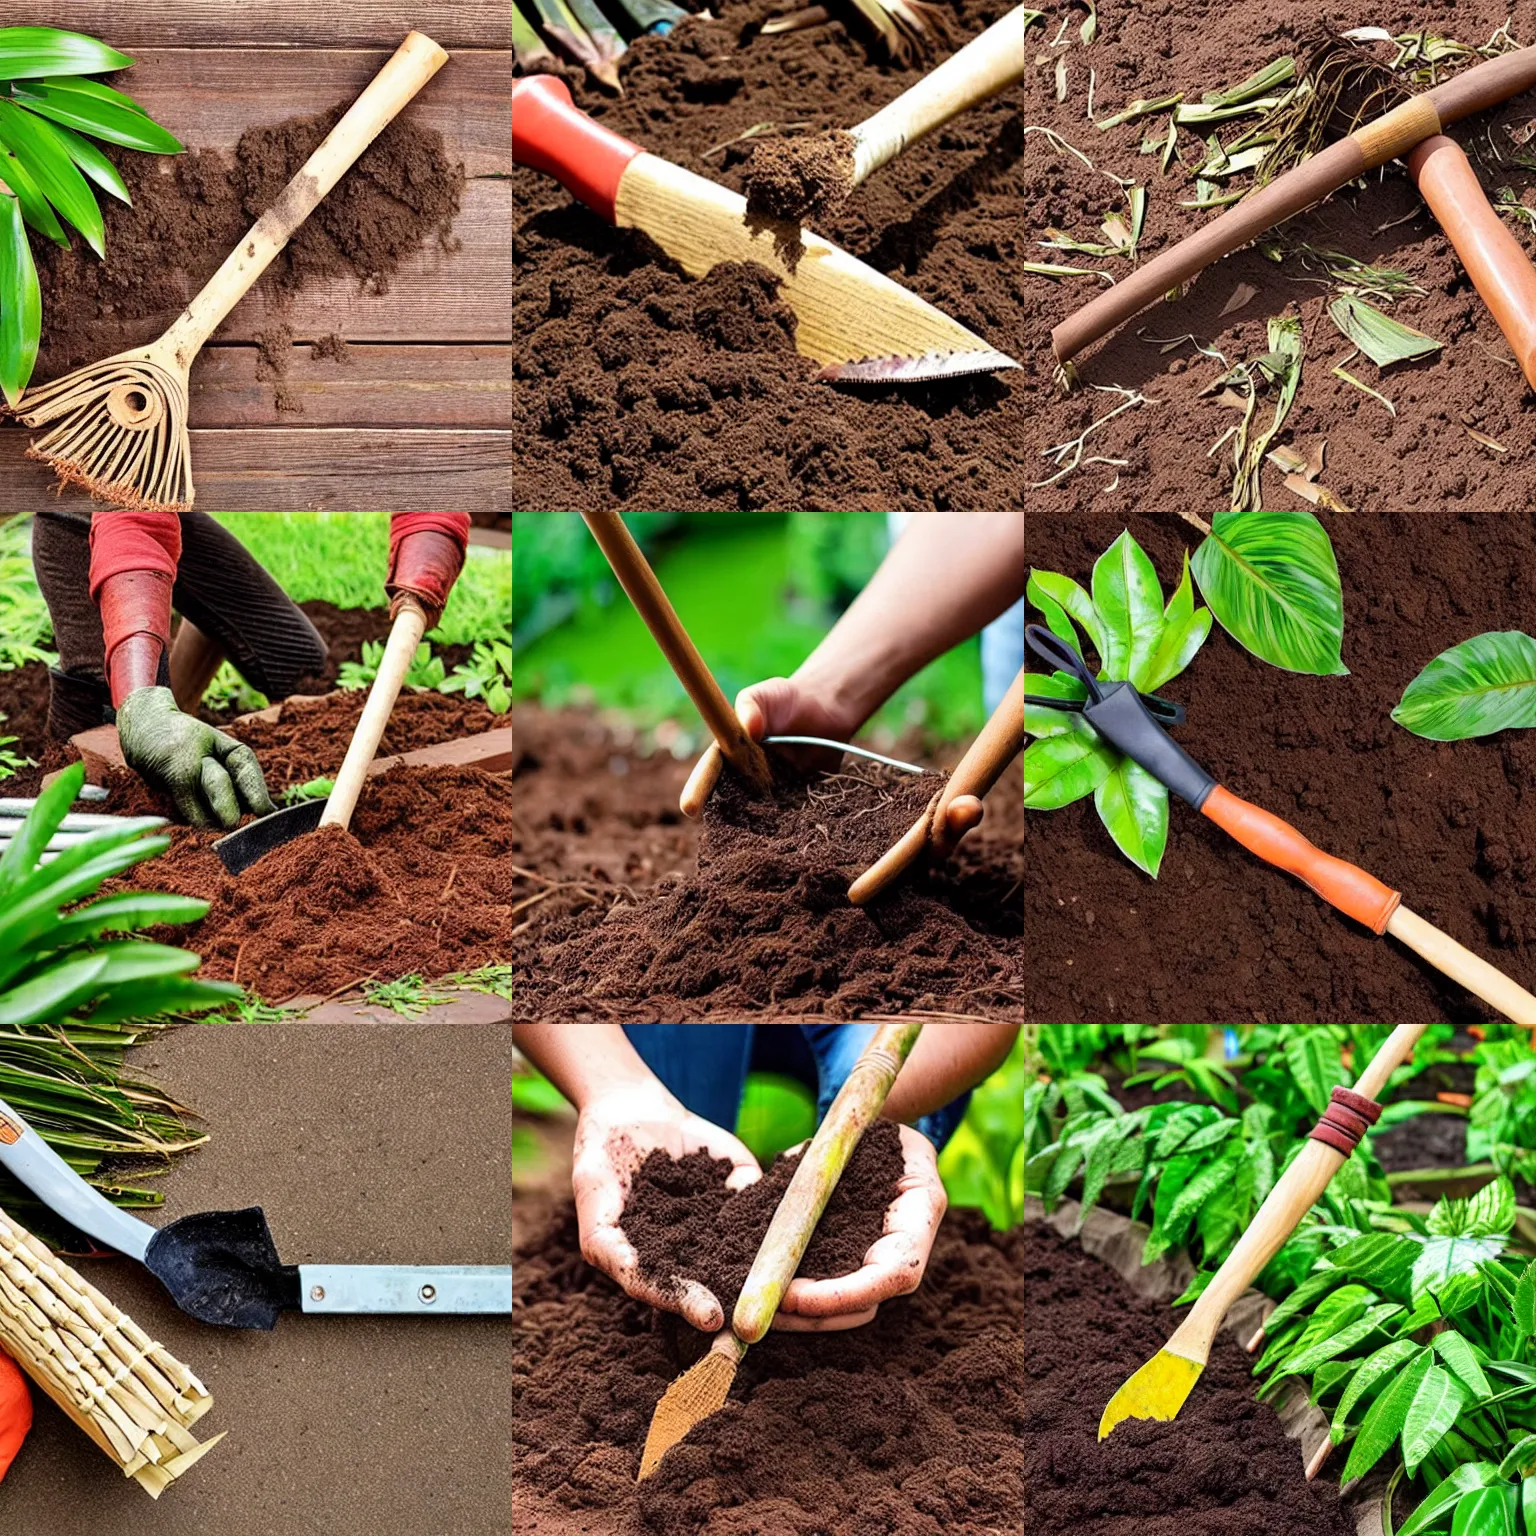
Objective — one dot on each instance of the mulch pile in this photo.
(1424, 455)
(686, 1225)
(1223, 1468)
(909, 1426)
(1222, 936)
(765, 923)
(635, 386)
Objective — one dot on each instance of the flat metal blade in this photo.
(916, 370)
(257, 839)
(417, 1290)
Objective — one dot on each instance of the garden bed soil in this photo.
(637, 387)
(1157, 454)
(909, 1426)
(1220, 936)
(1224, 1468)
(685, 1224)
(764, 925)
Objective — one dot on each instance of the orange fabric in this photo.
(1355, 893)
(15, 1411)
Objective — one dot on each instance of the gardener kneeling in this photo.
(640, 1087)
(110, 580)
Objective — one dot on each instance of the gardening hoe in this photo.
(1119, 714)
(651, 603)
(1001, 740)
(986, 65)
(222, 1267)
(1372, 144)
(702, 1389)
(118, 428)
(257, 839)
(1158, 1389)
(857, 323)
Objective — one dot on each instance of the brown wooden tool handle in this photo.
(1341, 884)
(1485, 85)
(1462, 966)
(652, 604)
(856, 1107)
(1495, 261)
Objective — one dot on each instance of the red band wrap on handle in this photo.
(1348, 1117)
(1343, 885)
(550, 134)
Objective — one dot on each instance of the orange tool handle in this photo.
(1341, 884)
(1495, 261)
(551, 134)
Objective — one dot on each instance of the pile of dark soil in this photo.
(686, 1225)
(766, 925)
(189, 210)
(1223, 1468)
(1424, 454)
(625, 394)
(1222, 936)
(910, 1426)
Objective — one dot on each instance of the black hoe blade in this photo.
(222, 1267)
(257, 839)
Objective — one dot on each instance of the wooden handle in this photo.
(410, 625)
(986, 65)
(858, 1103)
(1296, 1192)
(1462, 966)
(701, 782)
(195, 658)
(414, 62)
(1485, 85)
(651, 603)
(1000, 741)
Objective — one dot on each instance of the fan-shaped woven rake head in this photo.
(117, 429)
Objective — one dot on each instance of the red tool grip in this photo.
(1355, 893)
(551, 134)
(1495, 261)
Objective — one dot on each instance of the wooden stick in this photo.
(194, 660)
(1461, 965)
(651, 603)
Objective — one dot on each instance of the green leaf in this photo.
(1525, 1300)
(1040, 719)
(94, 164)
(1386, 1360)
(1273, 583)
(45, 818)
(1130, 603)
(1056, 617)
(107, 120)
(1181, 605)
(1335, 1344)
(1134, 809)
(1433, 1410)
(46, 158)
(1384, 340)
(1316, 1065)
(1385, 1421)
(21, 303)
(1519, 1458)
(1491, 1209)
(1066, 768)
(29, 53)
(1528, 1506)
(1175, 650)
(1076, 602)
(35, 208)
(1467, 1478)
(1457, 1354)
(49, 996)
(1443, 1258)
(1485, 1512)
(1483, 685)
(123, 914)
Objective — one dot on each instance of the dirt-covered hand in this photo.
(212, 778)
(893, 1266)
(615, 1133)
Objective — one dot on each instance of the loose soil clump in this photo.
(1224, 937)
(620, 399)
(1223, 1468)
(686, 1225)
(909, 1426)
(800, 179)
(766, 926)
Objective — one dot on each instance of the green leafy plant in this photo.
(25, 627)
(1485, 684)
(983, 1163)
(1137, 638)
(11, 763)
(1189, 1066)
(1501, 1123)
(408, 995)
(228, 690)
(1384, 340)
(311, 789)
(49, 113)
(426, 670)
(493, 980)
(487, 676)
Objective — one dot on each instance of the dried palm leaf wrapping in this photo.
(128, 1393)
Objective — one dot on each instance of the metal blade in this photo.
(916, 370)
(256, 839)
(417, 1289)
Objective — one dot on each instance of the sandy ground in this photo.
(366, 1143)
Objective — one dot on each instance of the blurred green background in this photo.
(755, 593)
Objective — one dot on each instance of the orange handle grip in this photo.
(1341, 884)
(551, 134)
(1494, 259)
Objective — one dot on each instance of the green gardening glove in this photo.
(212, 778)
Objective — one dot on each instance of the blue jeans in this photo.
(706, 1065)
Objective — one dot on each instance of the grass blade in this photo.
(1384, 340)
(21, 303)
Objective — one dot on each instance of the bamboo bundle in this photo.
(128, 1393)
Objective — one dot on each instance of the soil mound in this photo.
(766, 925)
(910, 1426)
(686, 1225)
(1225, 1468)
(800, 178)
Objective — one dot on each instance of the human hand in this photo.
(212, 778)
(895, 1263)
(615, 1132)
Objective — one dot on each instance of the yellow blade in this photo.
(1156, 1391)
(853, 320)
(697, 1393)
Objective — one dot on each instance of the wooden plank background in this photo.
(418, 414)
